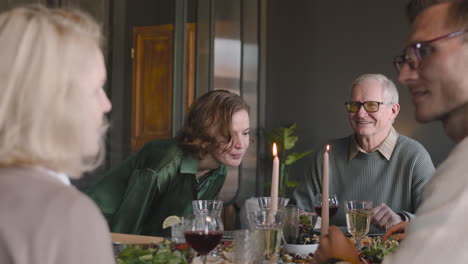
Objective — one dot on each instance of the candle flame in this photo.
(328, 148)
(275, 151)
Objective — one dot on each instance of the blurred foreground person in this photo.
(165, 176)
(433, 66)
(52, 109)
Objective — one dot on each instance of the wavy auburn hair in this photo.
(208, 123)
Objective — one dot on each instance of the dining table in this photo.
(119, 238)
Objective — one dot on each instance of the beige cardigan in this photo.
(44, 221)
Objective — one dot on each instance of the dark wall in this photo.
(316, 49)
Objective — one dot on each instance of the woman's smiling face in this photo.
(240, 141)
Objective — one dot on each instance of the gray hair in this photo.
(390, 92)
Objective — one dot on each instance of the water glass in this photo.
(358, 217)
(291, 224)
(267, 229)
(177, 232)
(207, 206)
(243, 246)
(264, 203)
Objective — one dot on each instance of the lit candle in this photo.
(274, 182)
(325, 206)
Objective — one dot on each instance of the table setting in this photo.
(277, 233)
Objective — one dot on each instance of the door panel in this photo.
(152, 102)
(152, 84)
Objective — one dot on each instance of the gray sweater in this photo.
(398, 182)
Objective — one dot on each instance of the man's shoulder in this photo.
(337, 142)
(409, 144)
(340, 144)
(338, 147)
(410, 150)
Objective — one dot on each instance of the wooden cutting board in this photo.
(135, 239)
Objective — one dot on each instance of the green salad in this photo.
(378, 249)
(155, 254)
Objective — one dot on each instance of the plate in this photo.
(373, 231)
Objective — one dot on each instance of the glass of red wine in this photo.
(203, 233)
(332, 203)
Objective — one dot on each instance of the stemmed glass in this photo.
(203, 232)
(332, 204)
(264, 203)
(207, 206)
(358, 216)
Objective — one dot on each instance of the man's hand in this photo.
(384, 217)
(397, 232)
(336, 246)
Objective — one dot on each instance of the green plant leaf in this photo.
(289, 139)
(292, 184)
(275, 136)
(293, 157)
(285, 139)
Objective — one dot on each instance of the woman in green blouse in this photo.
(163, 177)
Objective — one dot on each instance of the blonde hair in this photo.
(43, 56)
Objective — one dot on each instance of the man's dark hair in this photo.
(415, 7)
(458, 14)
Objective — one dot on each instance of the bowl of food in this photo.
(301, 249)
(306, 242)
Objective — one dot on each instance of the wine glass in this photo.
(209, 206)
(264, 203)
(203, 232)
(332, 205)
(358, 216)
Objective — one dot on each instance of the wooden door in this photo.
(152, 101)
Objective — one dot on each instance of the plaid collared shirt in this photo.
(386, 148)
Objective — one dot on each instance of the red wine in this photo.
(203, 242)
(331, 212)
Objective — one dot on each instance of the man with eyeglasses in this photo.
(375, 163)
(434, 67)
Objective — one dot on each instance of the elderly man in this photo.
(433, 66)
(375, 163)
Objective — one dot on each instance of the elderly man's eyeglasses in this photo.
(369, 106)
(415, 53)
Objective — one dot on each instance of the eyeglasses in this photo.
(369, 106)
(414, 53)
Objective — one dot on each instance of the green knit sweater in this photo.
(398, 182)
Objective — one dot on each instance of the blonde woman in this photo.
(52, 108)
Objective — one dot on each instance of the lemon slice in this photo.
(170, 221)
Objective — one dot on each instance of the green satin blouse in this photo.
(157, 181)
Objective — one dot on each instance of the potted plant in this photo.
(285, 139)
